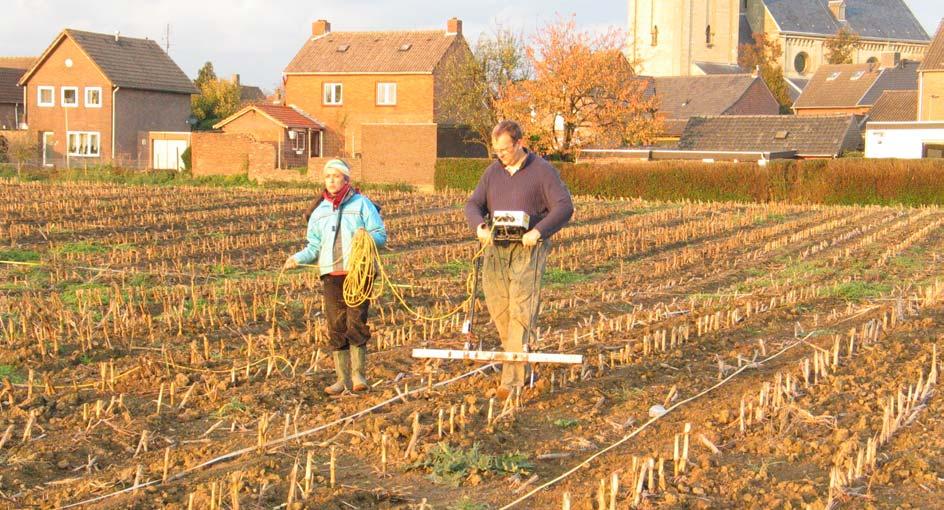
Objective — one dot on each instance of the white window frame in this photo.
(62, 97)
(298, 143)
(39, 96)
(333, 93)
(88, 149)
(384, 95)
(93, 89)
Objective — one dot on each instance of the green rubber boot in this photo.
(358, 365)
(342, 367)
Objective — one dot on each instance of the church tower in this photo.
(672, 37)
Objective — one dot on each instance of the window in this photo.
(708, 35)
(856, 75)
(801, 62)
(298, 142)
(655, 35)
(70, 96)
(84, 143)
(833, 76)
(386, 94)
(47, 96)
(332, 93)
(93, 97)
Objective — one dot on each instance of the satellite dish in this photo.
(69, 62)
(292, 134)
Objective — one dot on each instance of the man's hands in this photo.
(484, 234)
(290, 263)
(531, 238)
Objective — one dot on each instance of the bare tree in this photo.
(21, 151)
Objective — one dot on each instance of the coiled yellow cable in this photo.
(366, 269)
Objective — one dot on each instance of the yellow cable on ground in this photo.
(366, 270)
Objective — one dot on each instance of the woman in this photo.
(334, 218)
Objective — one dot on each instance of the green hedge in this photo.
(839, 181)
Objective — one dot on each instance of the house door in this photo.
(167, 154)
(48, 153)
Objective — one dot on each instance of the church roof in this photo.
(871, 19)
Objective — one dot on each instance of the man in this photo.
(518, 180)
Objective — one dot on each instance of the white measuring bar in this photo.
(525, 357)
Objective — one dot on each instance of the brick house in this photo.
(296, 136)
(855, 88)
(683, 97)
(96, 98)
(12, 69)
(378, 95)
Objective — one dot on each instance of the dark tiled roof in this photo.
(715, 68)
(823, 136)
(877, 19)
(934, 60)
(10, 92)
(250, 94)
(683, 97)
(128, 62)
(901, 77)
(373, 52)
(895, 106)
(11, 70)
(796, 86)
(833, 85)
(287, 116)
(134, 63)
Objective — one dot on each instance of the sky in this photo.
(258, 38)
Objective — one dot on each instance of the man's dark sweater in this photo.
(536, 188)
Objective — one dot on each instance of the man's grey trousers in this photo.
(511, 279)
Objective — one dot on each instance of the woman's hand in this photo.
(290, 263)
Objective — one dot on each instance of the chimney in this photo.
(320, 27)
(838, 8)
(454, 26)
(890, 59)
(117, 35)
(236, 79)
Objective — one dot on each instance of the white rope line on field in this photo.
(646, 425)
